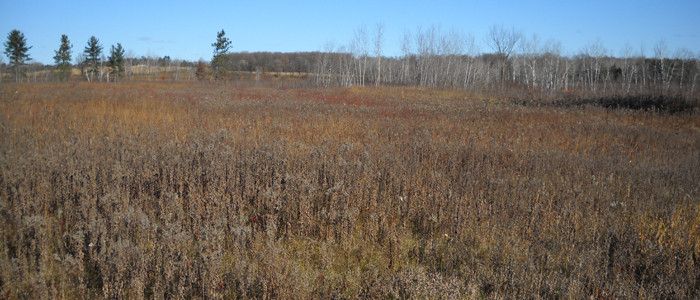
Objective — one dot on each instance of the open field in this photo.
(215, 190)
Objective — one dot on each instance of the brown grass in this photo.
(202, 190)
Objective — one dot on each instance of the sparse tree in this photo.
(201, 70)
(378, 42)
(406, 52)
(591, 57)
(684, 56)
(17, 51)
(470, 68)
(529, 49)
(359, 46)
(503, 41)
(116, 60)
(426, 45)
(221, 48)
(62, 58)
(666, 68)
(128, 64)
(93, 52)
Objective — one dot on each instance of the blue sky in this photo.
(185, 29)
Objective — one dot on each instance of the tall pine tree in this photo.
(92, 51)
(17, 51)
(63, 57)
(116, 60)
(221, 47)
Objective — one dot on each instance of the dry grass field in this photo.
(215, 190)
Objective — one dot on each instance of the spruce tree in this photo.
(221, 47)
(17, 51)
(63, 57)
(92, 51)
(116, 60)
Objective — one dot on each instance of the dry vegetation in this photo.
(202, 190)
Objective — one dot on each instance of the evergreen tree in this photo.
(116, 60)
(92, 51)
(17, 51)
(221, 47)
(63, 57)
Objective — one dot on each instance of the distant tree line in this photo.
(433, 58)
(429, 57)
(289, 62)
(91, 62)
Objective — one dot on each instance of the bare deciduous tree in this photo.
(378, 41)
(359, 47)
(503, 41)
(407, 52)
(435, 58)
